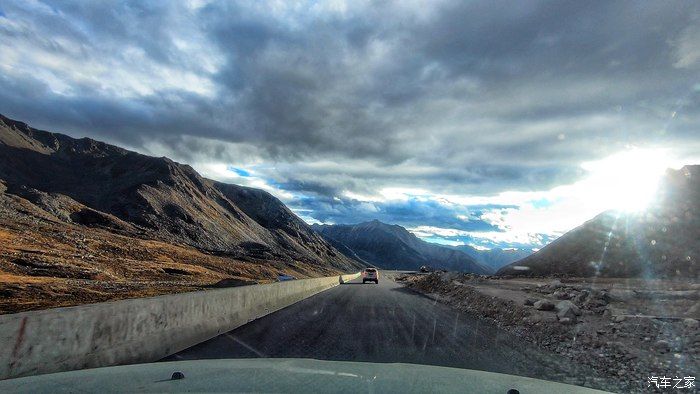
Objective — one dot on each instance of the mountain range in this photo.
(495, 258)
(393, 247)
(662, 241)
(100, 190)
(85, 221)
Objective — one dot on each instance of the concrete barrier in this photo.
(138, 330)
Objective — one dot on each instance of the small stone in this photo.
(529, 302)
(556, 283)
(662, 345)
(565, 320)
(619, 318)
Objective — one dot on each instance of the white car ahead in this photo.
(370, 275)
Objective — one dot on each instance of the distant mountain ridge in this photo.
(91, 183)
(394, 247)
(495, 258)
(662, 241)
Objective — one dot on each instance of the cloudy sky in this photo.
(482, 122)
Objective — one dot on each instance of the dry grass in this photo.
(47, 263)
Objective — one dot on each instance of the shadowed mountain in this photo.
(393, 247)
(94, 184)
(662, 241)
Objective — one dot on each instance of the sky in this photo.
(489, 123)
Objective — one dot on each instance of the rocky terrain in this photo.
(123, 224)
(393, 247)
(625, 329)
(662, 241)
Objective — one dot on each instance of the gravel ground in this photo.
(599, 325)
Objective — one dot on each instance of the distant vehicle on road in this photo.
(370, 275)
(426, 268)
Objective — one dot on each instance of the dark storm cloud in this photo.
(453, 97)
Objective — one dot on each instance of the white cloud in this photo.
(444, 106)
(623, 181)
(428, 231)
(687, 47)
(72, 61)
(222, 172)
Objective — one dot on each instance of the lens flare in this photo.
(626, 181)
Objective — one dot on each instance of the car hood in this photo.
(283, 375)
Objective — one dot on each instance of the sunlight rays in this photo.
(626, 181)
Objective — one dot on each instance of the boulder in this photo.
(695, 308)
(568, 309)
(555, 284)
(544, 305)
(581, 296)
(690, 323)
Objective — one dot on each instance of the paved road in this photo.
(384, 323)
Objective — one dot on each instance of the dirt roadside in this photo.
(628, 330)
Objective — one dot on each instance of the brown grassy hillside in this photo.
(83, 221)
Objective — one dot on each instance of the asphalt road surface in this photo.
(385, 323)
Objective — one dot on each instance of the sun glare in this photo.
(626, 181)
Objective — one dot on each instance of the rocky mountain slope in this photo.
(83, 185)
(662, 241)
(393, 247)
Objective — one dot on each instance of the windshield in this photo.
(498, 186)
